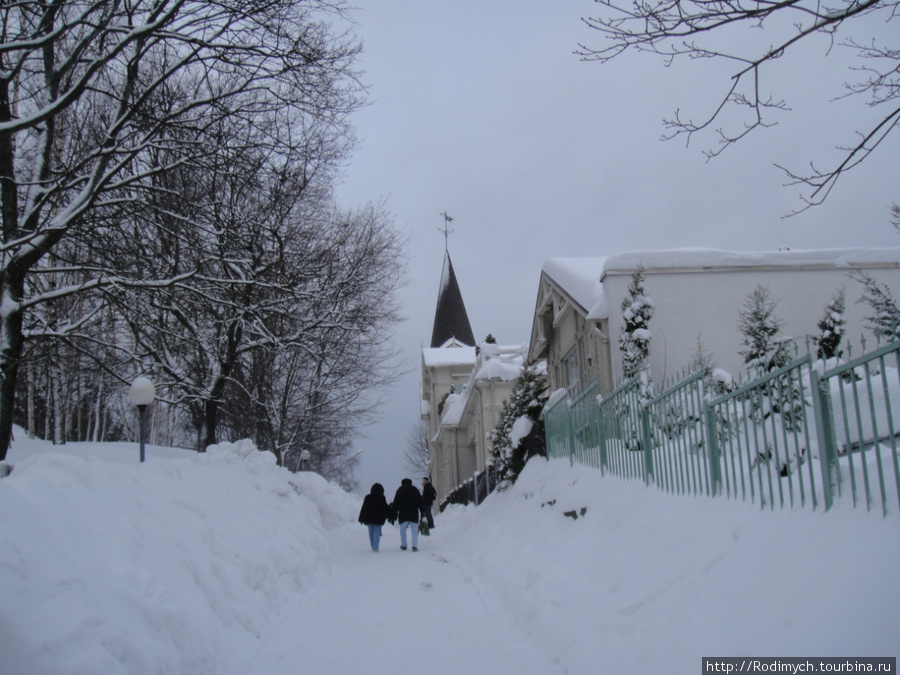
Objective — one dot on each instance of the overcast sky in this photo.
(484, 111)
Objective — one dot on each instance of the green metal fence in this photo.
(759, 440)
(557, 421)
(857, 431)
(799, 436)
(622, 428)
(675, 422)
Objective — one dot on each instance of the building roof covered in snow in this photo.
(581, 279)
(446, 356)
(707, 259)
(493, 362)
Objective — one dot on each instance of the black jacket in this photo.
(375, 509)
(429, 494)
(408, 502)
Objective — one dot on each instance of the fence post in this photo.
(828, 458)
(648, 444)
(715, 455)
(570, 419)
(601, 436)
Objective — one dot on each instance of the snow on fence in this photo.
(802, 435)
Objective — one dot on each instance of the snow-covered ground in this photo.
(223, 563)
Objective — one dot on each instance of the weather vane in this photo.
(446, 228)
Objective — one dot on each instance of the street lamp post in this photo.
(304, 460)
(142, 393)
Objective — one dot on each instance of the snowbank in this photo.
(223, 563)
(174, 565)
(616, 577)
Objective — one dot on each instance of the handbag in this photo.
(424, 530)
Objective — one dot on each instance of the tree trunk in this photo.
(211, 414)
(56, 394)
(30, 402)
(98, 412)
(11, 350)
(12, 284)
(226, 365)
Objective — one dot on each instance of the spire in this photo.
(450, 318)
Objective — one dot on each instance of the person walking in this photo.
(429, 494)
(374, 512)
(408, 506)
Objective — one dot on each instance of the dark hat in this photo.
(377, 489)
(406, 481)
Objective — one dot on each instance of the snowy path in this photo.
(398, 611)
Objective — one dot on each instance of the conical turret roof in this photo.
(450, 319)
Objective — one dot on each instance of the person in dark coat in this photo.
(374, 512)
(408, 506)
(429, 494)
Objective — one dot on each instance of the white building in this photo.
(463, 390)
(462, 443)
(698, 294)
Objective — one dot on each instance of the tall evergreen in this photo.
(765, 350)
(519, 434)
(634, 342)
(831, 328)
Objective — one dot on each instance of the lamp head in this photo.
(142, 391)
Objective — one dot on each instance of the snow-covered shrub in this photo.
(634, 341)
(831, 328)
(716, 382)
(766, 351)
(885, 318)
(637, 310)
(519, 433)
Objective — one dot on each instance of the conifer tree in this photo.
(885, 317)
(634, 342)
(765, 349)
(519, 434)
(831, 328)
(716, 381)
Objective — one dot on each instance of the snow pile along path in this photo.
(224, 563)
(174, 565)
(641, 581)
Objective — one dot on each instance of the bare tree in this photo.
(712, 30)
(415, 454)
(96, 98)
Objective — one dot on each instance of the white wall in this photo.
(707, 303)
